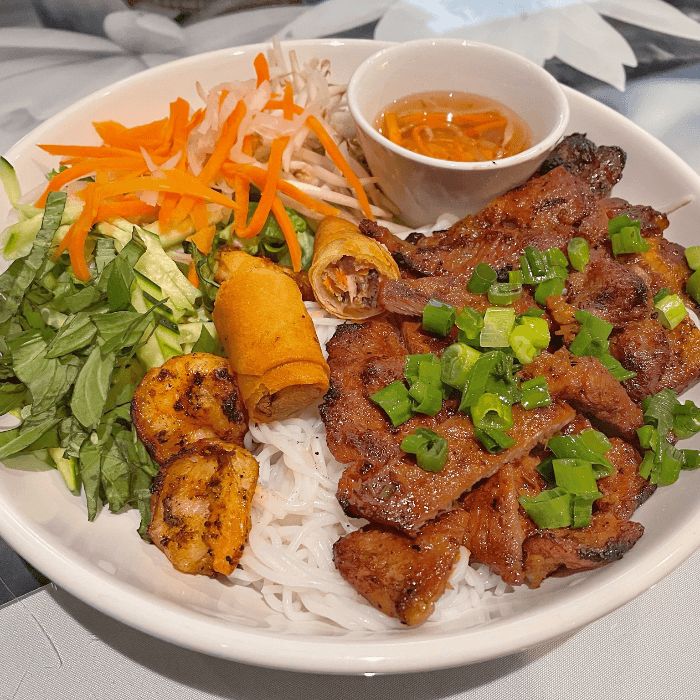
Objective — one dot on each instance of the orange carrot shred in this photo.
(336, 156)
(288, 102)
(192, 276)
(267, 195)
(290, 235)
(262, 69)
(259, 176)
(203, 239)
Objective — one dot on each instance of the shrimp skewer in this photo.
(189, 415)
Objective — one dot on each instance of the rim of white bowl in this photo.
(542, 146)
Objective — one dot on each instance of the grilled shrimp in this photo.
(200, 507)
(188, 399)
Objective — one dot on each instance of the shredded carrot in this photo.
(199, 216)
(241, 189)
(288, 102)
(203, 239)
(290, 235)
(124, 209)
(74, 240)
(267, 195)
(192, 275)
(259, 176)
(279, 104)
(88, 167)
(336, 156)
(227, 140)
(87, 151)
(173, 181)
(148, 136)
(262, 69)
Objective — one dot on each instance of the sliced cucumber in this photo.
(67, 468)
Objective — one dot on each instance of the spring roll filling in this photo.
(353, 283)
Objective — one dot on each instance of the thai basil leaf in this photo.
(15, 281)
(91, 387)
(17, 439)
(77, 332)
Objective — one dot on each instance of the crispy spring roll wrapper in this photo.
(270, 340)
(347, 269)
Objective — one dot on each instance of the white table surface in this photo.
(53, 646)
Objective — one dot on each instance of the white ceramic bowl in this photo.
(422, 187)
(107, 565)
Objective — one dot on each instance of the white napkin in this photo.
(574, 32)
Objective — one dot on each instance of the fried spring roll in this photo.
(270, 340)
(347, 269)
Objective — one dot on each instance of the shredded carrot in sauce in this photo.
(454, 126)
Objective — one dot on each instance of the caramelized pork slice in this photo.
(408, 297)
(642, 347)
(497, 526)
(600, 167)
(624, 490)
(609, 290)
(565, 551)
(189, 398)
(200, 507)
(402, 576)
(545, 212)
(683, 369)
(589, 387)
(653, 223)
(400, 494)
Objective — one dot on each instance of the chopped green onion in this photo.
(572, 446)
(456, 362)
(615, 367)
(504, 293)
(658, 410)
(579, 253)
(628, 240)
(478, 377)
(482, 278)
(427, 397)
(549, 509)
(535, 393)
(686, 419)
(692, 255)
(556, 257)
(535, 266)
(582, 508)
(648, 435)
(692, 286)
(663, 292)
(395, 401)
(430, 449)
(515, 276)
(413, 362)
(491, 412)
(671, 310)
(469, 322)
(592, 339)
(494, 440)
(575, 475)
(595, 440)
(498, 323)
(532, 312)
(522, 345)
(619, 222)
(549, 288)
(438, 317)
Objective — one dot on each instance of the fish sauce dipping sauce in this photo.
(454, 126)
(422, 186)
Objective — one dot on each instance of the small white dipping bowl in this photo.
(422, 187)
